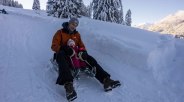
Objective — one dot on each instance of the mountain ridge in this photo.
(171, 24)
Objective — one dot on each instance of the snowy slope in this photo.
(172, 24)
(149, 65)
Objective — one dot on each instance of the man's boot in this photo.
(109, 84)
(70, 92)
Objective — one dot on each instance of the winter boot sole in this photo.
(71, 97)
(114, 85)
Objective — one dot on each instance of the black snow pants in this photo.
(65, 74)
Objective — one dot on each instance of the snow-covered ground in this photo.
(149, 65)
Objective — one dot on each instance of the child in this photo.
(76, 62)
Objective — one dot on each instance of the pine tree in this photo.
(89, 10)
(65, 8)
(128, 19)
(11, 3)
(51, 7)
(36, 5)
(121, 18)
(69, 8)
(84, 10)
(5, 2)
(108, 10)
(18, 5)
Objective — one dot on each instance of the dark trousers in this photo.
(65, 67)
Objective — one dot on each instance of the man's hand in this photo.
(83, 55)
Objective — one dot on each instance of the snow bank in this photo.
(121, 43)
(138, 48)
(161, 56)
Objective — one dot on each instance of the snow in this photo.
(148, 64)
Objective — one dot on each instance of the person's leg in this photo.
(64, 69)
(102, 75)
(65, 77)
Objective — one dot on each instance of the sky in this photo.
(149, 65)
(143, 11)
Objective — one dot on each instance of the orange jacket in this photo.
(61, 38)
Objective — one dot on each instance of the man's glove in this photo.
(83, 55)
(68, 51)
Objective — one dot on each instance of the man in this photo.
(63, 52)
